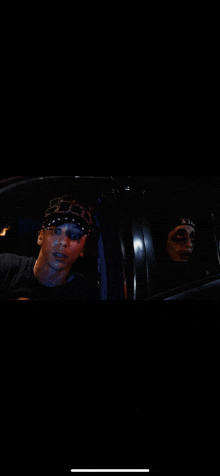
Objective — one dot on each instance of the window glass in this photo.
(185, 251)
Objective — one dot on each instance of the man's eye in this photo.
(75, 237)
(179, 238)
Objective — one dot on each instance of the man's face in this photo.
(62, 246)
(181, 242)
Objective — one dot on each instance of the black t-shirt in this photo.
(17, 280)
(170, 274)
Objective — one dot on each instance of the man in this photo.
(176, 265)
(181, 241)
(63, 238)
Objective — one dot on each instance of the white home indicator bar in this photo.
(110, 470)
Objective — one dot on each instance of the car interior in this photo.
(22, 209)
(205, 258)
(123, 256)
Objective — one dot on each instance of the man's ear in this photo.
(40, 237)
(83, 241)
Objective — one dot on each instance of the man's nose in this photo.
(64, 240)
(190, 243)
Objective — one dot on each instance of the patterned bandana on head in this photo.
(67, 210)
(169, 225)
(185, 221)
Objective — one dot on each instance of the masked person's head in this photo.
(65, 232)
(181, 240)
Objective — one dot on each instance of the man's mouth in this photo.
(187, 253)
(60, 256)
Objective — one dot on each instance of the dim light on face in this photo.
(62, 246)
(181, 243)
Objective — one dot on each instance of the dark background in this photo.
(112, 385)
(200, 192)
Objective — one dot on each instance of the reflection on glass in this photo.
(138, 245)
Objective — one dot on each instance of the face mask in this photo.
(181, 242)
(182, 236)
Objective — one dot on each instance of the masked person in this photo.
(181, 241)
(66, 229)
(175, 264)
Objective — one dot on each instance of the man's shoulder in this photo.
(9, 260)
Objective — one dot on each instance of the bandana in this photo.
(167, 224)
(170, 225)
(183, 221)
(67, 210)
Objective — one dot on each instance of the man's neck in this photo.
(48, 276)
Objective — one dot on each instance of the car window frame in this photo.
(145, 262)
